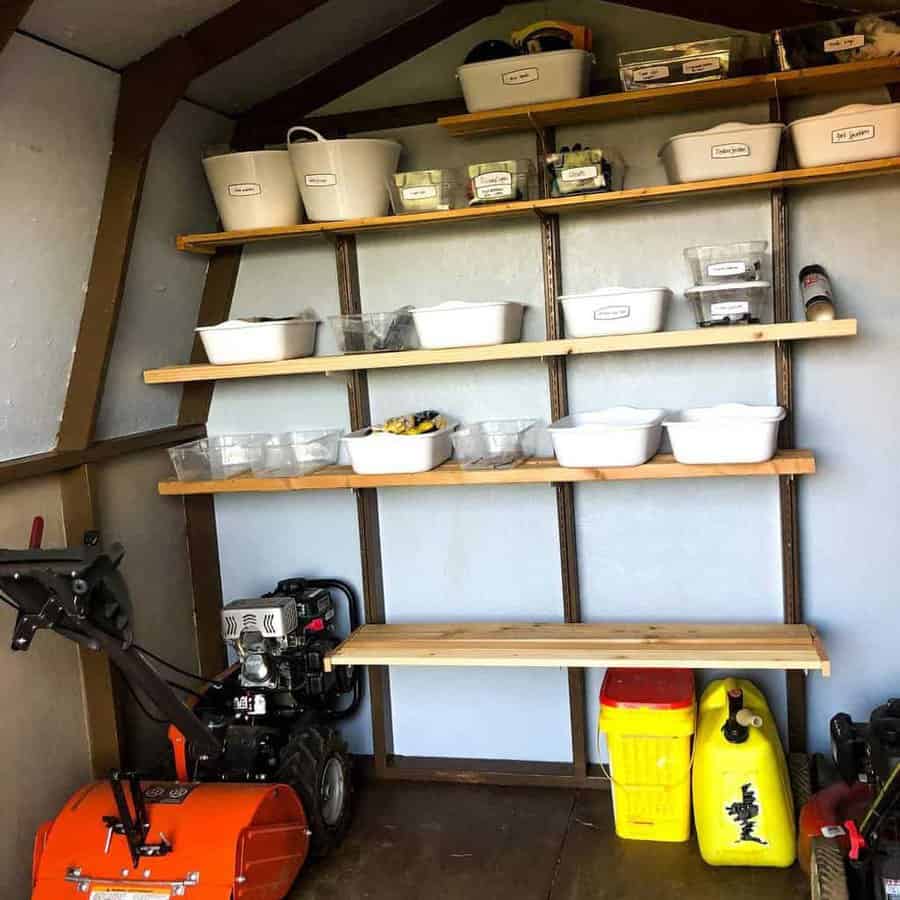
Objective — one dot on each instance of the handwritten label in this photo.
(606, 313)
(698, 66)
(728, 308)
(520, 76)
(650, 73)
(848, 42)
(426, 192)
(579, 173)
(322, 179)
(851, 135)
(717, 270)
(730, 151)
(244, 189)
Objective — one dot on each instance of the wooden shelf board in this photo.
(677, 98)
(533, 471)
(207, 243)
(585, 645)
(661, 340)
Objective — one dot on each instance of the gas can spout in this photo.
(734, 730)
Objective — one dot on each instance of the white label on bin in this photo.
(244, 189)
(891, 887)
(650, 73)
(847, 42)
(728, 308)
(521, 76)
(729, 151)
(832, 831)
(425, 192)
(606, 313)
(490, 185)
(851, 135)
(579, 173)
(717, 270)
(321, 179)
(697, 66)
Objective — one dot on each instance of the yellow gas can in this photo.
(743, 808)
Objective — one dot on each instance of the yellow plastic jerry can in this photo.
(743, 808)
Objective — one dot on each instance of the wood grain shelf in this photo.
(207, 243)
(579, 645)
(661, 340)
(533, 471)
(677, 98)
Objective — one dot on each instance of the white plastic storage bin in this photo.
(719, 263)
(263, 340)
(849, 134)
(461, 324)
(621, 436)
(730, 303)
(615, 310)
(256, 189)
(374, 332)
(496, 444)
(728, 433)
(429, 190)
(729, 150)
(234, 454)
(381, 453)
(343, 179)
(298, 452)
(517, 80)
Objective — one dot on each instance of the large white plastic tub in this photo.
(849, 134)
(728, 433)
(343, 179)
(381, 453)
(615, 310)
(240, 341)
(729, 150)
(621, 436)
(254, 190)
(461, 324)
(533, 78)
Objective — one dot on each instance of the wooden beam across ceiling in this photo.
(11, 13)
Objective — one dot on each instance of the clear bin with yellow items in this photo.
(743, 807)
(648, 718)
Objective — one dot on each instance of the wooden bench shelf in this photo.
(661, 340)
(580, 645)
(678, 98)
(207, 243)
(533, 471)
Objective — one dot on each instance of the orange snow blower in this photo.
(263, 779)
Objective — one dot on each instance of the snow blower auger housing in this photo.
(262, 776)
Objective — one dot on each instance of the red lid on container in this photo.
(648, 688)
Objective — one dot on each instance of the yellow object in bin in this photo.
(743, 807)
(648, 718)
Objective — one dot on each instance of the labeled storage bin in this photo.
(679, 63)
(648, 717)
(374, 332)
(343, 179)
(429, 190)
(722, 263)
(258, 340)
(497, 444)
(499, 182)
(191, 461)
(729, 303)
(256, 189)
(728, 433)
(621, 436)
(585, 171)
(730, 150)
(298, 452)
(851, 133)
(615, 310)
(380, 453)
(461, 324)
(518, 80)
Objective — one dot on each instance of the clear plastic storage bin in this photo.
(503, 181)
(373, 332)
(429, 190)
(585, 171)
(679, 63)
(233, 454)
(718, 263)
(191, 461)
(732, 303)
(298, 452)
(496, 444)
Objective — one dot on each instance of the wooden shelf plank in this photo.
(580, 645)
(534, 471)
(207, 243)
(661, 340)
(677, 98)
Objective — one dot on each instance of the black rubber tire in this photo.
(303, 766)
(827, 874)
(801, 781)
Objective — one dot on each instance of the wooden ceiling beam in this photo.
(11, 14)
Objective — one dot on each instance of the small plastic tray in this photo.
(298, 452)
(494, 444)
(374, 332)
(718, 263)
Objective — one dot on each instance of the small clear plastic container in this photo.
(298, 452)
(720, 263)
(504, 181)
(496, 444)
(374, 332)
(585, 171)
(428, 190)
(233, 454)
(191, 461)
(734, 303)
(679, 63)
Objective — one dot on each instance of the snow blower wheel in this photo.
(827, 877)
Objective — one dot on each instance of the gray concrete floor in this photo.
(461, 842)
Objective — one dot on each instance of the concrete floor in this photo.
(460, 842)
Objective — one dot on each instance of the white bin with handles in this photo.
(343, 179)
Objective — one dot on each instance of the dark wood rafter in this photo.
(11, 14)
